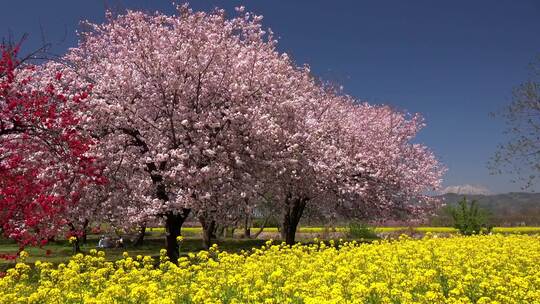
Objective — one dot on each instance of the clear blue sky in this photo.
(453, 61)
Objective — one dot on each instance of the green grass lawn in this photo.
(61, 251)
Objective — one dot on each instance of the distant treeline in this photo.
(509, 209)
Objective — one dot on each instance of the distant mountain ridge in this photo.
(514, 208)
(467, 189)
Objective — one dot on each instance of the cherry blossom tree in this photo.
(179, 103)
(44, 160)
(397, 173)
(199, 114)
(350, 158)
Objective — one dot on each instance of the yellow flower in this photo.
(490, 269)
(23, 255)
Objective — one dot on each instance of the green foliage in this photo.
(469, 219)
(358, 230)
(271, 222)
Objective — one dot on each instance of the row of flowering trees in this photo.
(195, 114)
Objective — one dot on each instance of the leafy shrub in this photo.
(358, 230)
(271, 222)
(469, 219)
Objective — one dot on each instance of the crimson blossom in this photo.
(44, 164)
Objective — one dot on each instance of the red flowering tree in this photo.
(44, 163)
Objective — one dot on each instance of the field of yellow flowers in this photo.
(477, 269)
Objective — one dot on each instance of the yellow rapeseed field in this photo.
(477, 269)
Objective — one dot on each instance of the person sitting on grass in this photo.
(104, 242)
(119, 243)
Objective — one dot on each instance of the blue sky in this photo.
(454, 61)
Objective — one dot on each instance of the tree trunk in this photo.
(209, 227)
(291, 218)
(173, 222)
(247, 227)
(139, 240)
(220, 232)
(266, 219)
(77, 245)
(77, 242)
(173, 226)
(84, 234)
